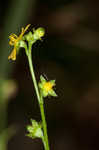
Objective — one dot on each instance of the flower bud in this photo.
(35, 130)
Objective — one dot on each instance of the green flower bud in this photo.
(29, 37)
(35, 130)
(38, 33)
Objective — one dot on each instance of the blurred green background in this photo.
(69, 53)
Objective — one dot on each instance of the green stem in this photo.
(33, 76)
(40, 99)
(44, 123)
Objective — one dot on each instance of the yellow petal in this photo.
(27, 27)
(13, 39)
(12, 55)
(11, 43)
(48, 86)
(13, 35)
(23, 31)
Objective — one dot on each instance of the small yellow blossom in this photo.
(46, 87)
(14, 39)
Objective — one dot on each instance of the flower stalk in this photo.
(43, 88)
(40, 100)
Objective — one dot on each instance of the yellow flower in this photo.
(14, 39)
(46, 87)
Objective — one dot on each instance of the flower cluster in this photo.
(19, 41)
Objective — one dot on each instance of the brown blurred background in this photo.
(69, 53)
